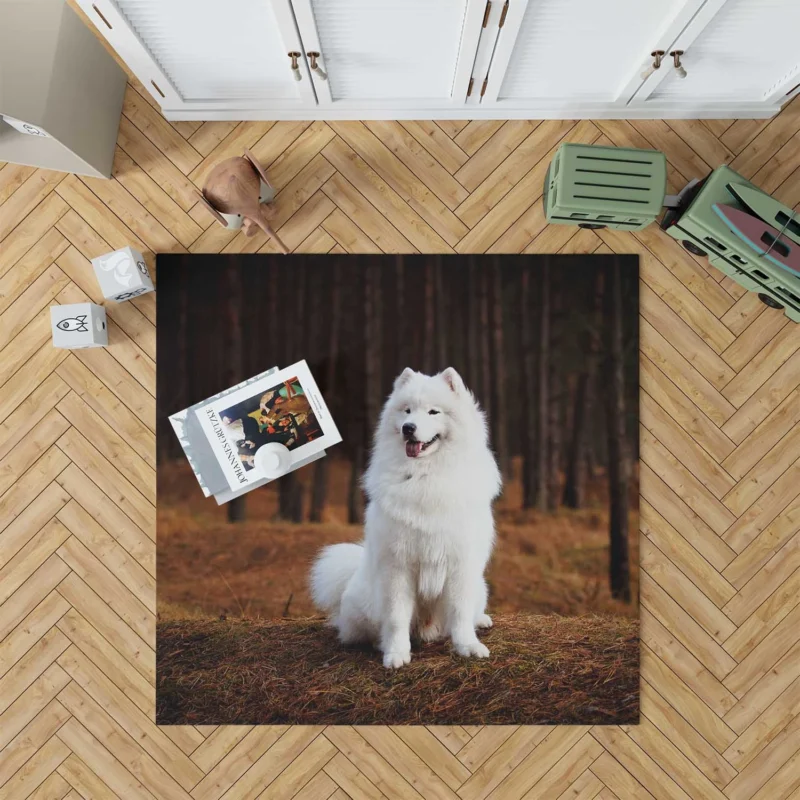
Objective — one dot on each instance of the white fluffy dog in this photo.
(429, 528)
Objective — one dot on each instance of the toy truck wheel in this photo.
(769, 301)
(693, 248)
(592, 226)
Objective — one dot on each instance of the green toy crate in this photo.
(703, 232)
(605, 187)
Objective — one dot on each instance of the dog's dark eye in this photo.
(433, 411)
(408, 411)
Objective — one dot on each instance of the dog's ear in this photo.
(453, 380)
(404, 377)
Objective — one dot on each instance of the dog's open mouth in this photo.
(414, 447)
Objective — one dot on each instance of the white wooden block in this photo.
(79, 325)
(122, 274)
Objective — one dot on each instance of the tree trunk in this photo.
(320, 488)
(543, 405)
(575, 478)
(578, 452)
(473, 351)
(528, 421)
(400, 310)
(290, 504)
(555, 428)
(372, 321)
(236, 508)
(428, 341)
(442, 321)
(484, 336)
(499, 404)
(618, 467)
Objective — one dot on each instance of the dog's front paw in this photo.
(483, 621)
(397, 659)
(471, 649)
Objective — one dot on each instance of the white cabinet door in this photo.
(206, 53)
(734, 51)
(390, 54)
(568, 55)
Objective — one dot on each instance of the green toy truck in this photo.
(702, 232)
(623, 188)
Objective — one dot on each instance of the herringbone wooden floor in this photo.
(720, 473)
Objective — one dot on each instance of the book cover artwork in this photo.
(284, 407)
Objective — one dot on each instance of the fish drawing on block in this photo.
(762, 238)
(77, 324)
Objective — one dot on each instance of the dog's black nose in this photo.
(409, 428)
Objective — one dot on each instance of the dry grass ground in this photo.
(542, 670)
(551, 563)
(238, 643)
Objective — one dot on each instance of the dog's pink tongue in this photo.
(413, 449)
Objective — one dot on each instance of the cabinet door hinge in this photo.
(486, 13)
(469, 88)
(503, 15)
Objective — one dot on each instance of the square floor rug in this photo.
(418, 496)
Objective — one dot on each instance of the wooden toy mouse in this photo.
(233, 194)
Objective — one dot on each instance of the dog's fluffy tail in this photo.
(331, 572)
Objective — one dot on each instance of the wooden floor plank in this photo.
(420, 162)
(26, 198)
(437, 143)
(106, 777)
(154, 199)
(111, 480)
(764, 399)
(159, 131)
(684, 482)
(764, 511)
(682, 555)
(298, 154)
(684, 447)
(12, 176)
(120, 744)
(155, 164)
(90, 678)
(412, 208)
(511, 171)
(639, 764)
(513, 195)
(132, 459)
(209, 135)
(31, 629)
(686, 666)
(686, 702)
(109, 624)
(683, 411)
(110, 553)
(31, 703)
(774, 428)
(38, 295)
(765, 618)
(31, 230)
(493, 152)
(30, 267)
(697, 760)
